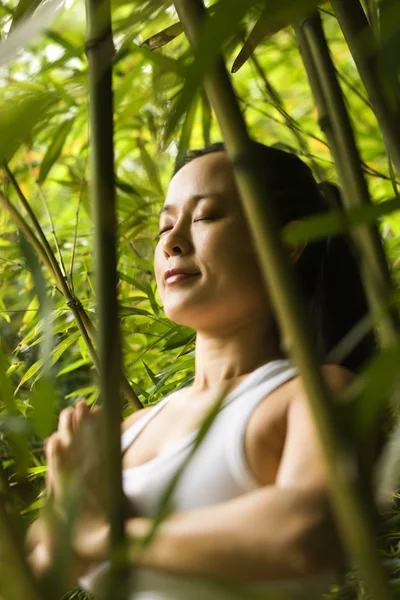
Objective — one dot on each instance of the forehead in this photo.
(204, 176)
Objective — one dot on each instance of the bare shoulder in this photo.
(138, 414)
(338, 378)
(307, 466)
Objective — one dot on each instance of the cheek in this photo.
(158, 267)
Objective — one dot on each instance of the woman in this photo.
(251, 509)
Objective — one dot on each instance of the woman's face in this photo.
(203, 232)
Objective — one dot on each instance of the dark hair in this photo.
(327, 269)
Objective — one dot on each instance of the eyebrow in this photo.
(195, 198)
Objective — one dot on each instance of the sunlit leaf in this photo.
(23, 10)
(26, 31)
(54, 149)
(43, 401)
(18, 118)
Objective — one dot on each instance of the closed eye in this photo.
(195, 221)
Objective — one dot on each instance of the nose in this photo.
(175, 244)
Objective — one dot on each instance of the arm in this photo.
(280, 531)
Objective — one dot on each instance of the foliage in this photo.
(159, 112)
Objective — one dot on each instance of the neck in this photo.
(224, 357)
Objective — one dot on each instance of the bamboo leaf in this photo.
(56, 354)
(17, 439)
(186, 131)
(150, 167)
(216, 30)
(26, 31)
(18, 117)
(163, 37)
(125, 311)
(273, 18)
(55, 149)
(178, 340)
(206, 120)
(152, 376)
(168, 34)
(73, 366)
(321, 226)
(23, 10)
(260, 31)
(43, 401)
(33, 369)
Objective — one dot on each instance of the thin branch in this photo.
(335, 122)
(384, 96)
(50, 218)
(355, 514)
(46, 254)
(27, 230)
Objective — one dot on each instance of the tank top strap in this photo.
(130, 434)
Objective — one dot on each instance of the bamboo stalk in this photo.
(355, 516)
(383, 95)
(335, 122)
(100, 50)
(46, 253)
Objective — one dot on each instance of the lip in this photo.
(172, 275)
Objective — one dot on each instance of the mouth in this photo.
(178, 277)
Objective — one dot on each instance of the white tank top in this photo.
(217, 472)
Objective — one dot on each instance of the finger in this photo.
(81, 411)
(65, 425)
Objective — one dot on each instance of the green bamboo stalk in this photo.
(354, 514)
(46, 253)
(335, 122)
(100, 51)
(383, 95)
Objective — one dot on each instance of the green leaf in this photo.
(150, 167)
(23, 10)
(334, 223)
(55, 149)
(56, 354)
(153, 377)
(179, 339)
(18, 117)
(73, 366)
(18, 441)
(216, 30)
(43, 402)
(186, 131)
(374, 387)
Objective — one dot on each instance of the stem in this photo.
(335, 122)
(383, 94)
(46, 253)
(27, 230)
(52, 230)
(100, 51)
(355, 515)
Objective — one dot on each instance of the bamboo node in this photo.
(104, 41)
(74, 303)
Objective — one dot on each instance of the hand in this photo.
(75, 462)
(75, 472)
